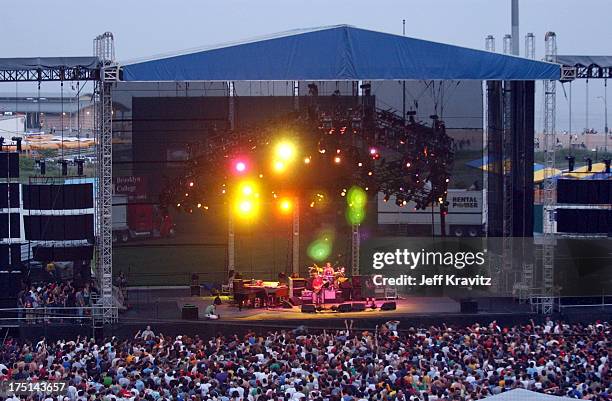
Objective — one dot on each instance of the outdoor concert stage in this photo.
(404, 307)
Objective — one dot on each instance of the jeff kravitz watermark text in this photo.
(449, 280)
(411, 260)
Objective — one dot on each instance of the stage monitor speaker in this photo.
(296, 286)
(195, 290)
(584, 221)
(9, 165)
(389, 305)
(189, 312)
(308, 308)
(358, 281)
(11, 220)
(9, 195)
(469, 306)
(58, 197)
(345, 308)
(59, 228)
(15, 256)
(295, 301)
(4, 257)
(358, 307)
(584, 192)
(356, 294)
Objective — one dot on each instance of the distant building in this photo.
(49, 112)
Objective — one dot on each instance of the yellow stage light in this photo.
(279, 166)
(246, 200)
(245, 206)
(285, 151)
(285, 205)
(247, 189)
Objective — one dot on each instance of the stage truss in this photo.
(104, 50)
(103, 74)
(550, 142)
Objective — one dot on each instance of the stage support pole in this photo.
(295, 239)
(355, 244)
(296, 96)
(231, 242)
(232, 105)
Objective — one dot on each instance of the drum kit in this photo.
(327, 277)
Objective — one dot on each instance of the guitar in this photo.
(317, 284)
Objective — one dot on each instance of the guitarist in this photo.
(317, 289)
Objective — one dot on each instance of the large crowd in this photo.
(59, 299)
(389, 363)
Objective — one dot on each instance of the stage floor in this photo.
(405, 307)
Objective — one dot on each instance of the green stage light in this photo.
(355, 215)
(356, 197)
(319, 250)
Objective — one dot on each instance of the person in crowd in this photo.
(147, 334)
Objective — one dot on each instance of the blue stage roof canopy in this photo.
(337, 53)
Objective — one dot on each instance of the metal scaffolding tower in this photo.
(104, 49)
(508, 196)
(550, 139)
(528, 274)
(530, 46)
(490, 43)
(508, 204)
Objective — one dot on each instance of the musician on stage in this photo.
(328, 270)
(317, 289)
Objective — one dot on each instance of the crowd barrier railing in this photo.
(48, 315)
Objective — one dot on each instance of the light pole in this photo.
(605, 101)
(606, 114)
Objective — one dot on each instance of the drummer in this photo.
(328, 271)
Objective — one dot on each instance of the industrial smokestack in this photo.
(515, 27)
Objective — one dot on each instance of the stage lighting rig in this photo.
(383, 154)
(42, 166)
(64, 166)
(17, 140)
(79, 163)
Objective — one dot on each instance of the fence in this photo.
(49, 315)
(569, 302)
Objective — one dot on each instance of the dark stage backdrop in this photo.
(156, 125)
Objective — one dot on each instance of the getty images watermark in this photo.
(404, 259)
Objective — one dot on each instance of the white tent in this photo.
(519, 394)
